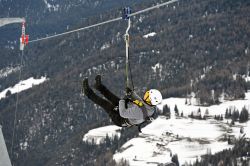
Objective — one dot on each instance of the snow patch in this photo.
(8, 70)
(98, 135)
(149, 35)
(22, 85)
(156, 67)
(50, 6)
(105, 46)
(24, 145)
(6, 21)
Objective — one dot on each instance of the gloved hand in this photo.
(128, 90)
(129, 93)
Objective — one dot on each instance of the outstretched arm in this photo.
(132, 95)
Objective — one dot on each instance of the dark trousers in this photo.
(110, 105)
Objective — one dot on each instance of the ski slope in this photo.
(22, 85)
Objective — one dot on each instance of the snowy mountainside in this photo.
(98, 135)
(55, 115)
(186, 137)
(5, 21)
(21, 86)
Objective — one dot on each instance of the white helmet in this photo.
(153, 97)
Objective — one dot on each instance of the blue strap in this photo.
(125, 13)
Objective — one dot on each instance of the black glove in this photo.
(129, 93)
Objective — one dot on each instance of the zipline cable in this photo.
(76, 30)
(105, 22)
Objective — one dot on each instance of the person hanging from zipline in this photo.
(126, 112)
(131, 110)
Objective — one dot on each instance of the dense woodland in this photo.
(239, 155)
(200, 46)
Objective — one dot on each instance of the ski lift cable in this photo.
(105, 22)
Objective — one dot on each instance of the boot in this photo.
(85, 88)
(98, 83)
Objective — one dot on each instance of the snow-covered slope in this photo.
(5, 21)
(219, 109)
(149, 35)
(188, 138)
(98, 135)
(8, 70)
(22, 85)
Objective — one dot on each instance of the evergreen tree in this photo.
(166, 111)
(243, 115)
(8, 93)
(192, 115)
(221, 117)
(235, 115)
(175, 159)
(176, 110)
(227, 114)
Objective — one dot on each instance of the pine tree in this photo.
(227, 114)
(176, 110)
(221, 117)
(175, 159)
(235, 115)
(192, 115)
(243, 115)
(166, 111)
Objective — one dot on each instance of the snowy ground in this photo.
(22, 85)
(5, 21)
(98, 135)
(8, 70)
(219, 109)
(149, 35)
(186, 137)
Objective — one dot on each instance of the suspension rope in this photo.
(153, 7)
(76, 30)
(105, 22)
(126, 38)
(16, 107)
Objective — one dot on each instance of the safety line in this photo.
(105, 22)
